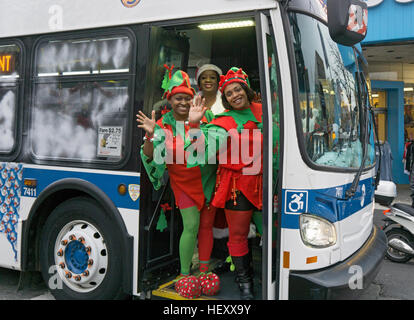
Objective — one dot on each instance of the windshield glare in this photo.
(330, 112)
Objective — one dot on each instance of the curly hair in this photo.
(249, 92)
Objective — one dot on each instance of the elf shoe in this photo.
(188, 287)
(210, 284)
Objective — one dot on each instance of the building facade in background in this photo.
(389, 50)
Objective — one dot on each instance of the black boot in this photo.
(244, 276)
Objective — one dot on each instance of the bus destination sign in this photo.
(6, 64)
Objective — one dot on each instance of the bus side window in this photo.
(80, 113)
(8, 106)
(9, 88)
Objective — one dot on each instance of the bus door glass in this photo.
(271, 155)
(168, 52)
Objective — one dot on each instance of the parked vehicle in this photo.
(399, 229)
(385, 192)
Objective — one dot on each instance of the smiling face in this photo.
(208, 81)
(180, 104)
(236, 96)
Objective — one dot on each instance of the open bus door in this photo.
(159, 250)
(269, 87)
(160, 222)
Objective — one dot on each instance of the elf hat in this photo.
(179, 83)
(210, 67)
(233, 75)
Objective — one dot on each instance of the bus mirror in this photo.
(347, 21)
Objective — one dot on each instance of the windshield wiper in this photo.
(354, 186)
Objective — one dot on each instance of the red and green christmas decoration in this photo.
(162, 223)
(178, 83)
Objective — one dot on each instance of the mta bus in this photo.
(76, 203)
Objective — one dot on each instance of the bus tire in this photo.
(80, 252)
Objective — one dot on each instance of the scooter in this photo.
(399, 229)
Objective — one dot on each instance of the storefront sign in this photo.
(373, 3)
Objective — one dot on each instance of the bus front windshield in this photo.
(330, 110)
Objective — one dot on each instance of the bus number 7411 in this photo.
(29, 192)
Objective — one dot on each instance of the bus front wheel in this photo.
(80, 255)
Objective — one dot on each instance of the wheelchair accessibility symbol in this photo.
(296, 201)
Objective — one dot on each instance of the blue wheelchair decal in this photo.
(296, 201)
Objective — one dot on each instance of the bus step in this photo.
(167, 290)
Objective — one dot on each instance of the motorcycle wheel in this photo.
(403, 235)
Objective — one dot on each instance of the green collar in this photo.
(169, 119)
(241, 117)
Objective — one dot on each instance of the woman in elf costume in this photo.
(238, 183)
(208, 78)
(164, 149)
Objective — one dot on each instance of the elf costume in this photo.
(192, 187)
(238, 193)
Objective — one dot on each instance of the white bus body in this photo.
(46, 177)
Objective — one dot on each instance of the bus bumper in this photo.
(342, 281)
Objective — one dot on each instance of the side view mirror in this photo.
(347, 21)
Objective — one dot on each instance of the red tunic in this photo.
(230, 176)
(187, 184)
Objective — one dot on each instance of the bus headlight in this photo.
(317, 232)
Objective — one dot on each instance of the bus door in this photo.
(269, 87)
(160, 221)
(253, 49)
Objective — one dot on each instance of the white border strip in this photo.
(72, 169)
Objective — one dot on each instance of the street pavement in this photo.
(394, 280)
(33, 289)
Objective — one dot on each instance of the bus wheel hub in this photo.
(81, 256)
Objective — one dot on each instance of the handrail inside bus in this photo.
(147, 227)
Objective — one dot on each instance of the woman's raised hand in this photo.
(197, 110)
(146, 123)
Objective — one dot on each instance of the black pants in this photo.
(242, 203)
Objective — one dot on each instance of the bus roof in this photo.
(35, 17)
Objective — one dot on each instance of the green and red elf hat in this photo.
(233, 75)
(179, 83)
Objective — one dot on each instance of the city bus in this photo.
(76, 203)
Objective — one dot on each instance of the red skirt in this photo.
(228, 182)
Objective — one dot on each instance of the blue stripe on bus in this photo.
(108, 183)
(325, 203)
